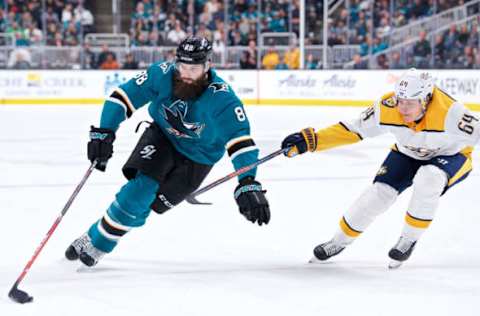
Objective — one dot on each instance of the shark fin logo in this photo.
(219, 86)
(175, 116)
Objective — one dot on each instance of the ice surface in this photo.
(208, 260)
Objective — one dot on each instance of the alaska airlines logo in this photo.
(219, 86)
(175, 115)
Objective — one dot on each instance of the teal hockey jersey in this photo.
(202, 129)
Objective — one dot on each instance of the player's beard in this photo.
(189, 90)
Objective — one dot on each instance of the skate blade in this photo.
(394, 264)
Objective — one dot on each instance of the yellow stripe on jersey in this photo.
(467, 151)
(347, 229)
(466, 168)
(432, 121)
(334, 136)
(417, 222)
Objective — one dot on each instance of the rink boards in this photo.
(312, 88)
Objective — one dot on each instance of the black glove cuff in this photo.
(102, 134)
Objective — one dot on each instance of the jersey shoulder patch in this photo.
(389, 100)
(219, 87)
(389, 114)
(165, 67)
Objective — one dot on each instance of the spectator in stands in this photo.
(154, 39)
(395, 61)
(249, 56)
(170, 23)
(422, 51)
(36, 11)
(277, 22)
(170, 56)
(439, 52)
(19, 59)
(365, 44)
(384, 27)
(19, 33)
(270, 59)
(71, 35)
(296, 17)
(58, 39)
(453, 48)
(311, 63)
(141, 40)
(361, 25)
(236, 38)
(35, 35)
(467, 59)
(88, 58)
(84, 18)
(109, 63)
(358, 63)
(382, 62)
(218, 46)
(51, 16)
(463, 35)
(474, 39)
(203, 31)
(104, 53)
(212, 6)
(140, 14)
(292, 57)
(244, 26)
(476, 65)
(176, 35)
(158, 17)
(3, 21)
(130, 62)
(51, 31)
(379, 45)
(282, 65)
(420, 8)
(67, 15)
(148, 6)
(399, 19)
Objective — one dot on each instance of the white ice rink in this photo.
(208, 260)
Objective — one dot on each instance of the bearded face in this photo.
(190, 81)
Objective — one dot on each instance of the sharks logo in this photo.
(219, 86)
(175, 115)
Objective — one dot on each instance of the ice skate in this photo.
(326, 250)
(83, 249)
(400, 252)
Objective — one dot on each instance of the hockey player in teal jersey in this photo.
(196, 118)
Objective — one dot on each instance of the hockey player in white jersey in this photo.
(435, 136)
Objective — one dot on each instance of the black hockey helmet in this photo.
(194, 50)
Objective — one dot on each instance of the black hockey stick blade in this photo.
(20, 296)
(193, 200)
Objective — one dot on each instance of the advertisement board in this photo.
(282, 87)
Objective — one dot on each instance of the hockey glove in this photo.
(301, 142)
(100, 146)
(252, 202)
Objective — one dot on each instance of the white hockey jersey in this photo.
(447, 128)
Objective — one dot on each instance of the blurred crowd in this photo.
(59, 23)
(362, 24)
(456, 48)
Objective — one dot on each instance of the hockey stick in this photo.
(192, 197)
(15, 293)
